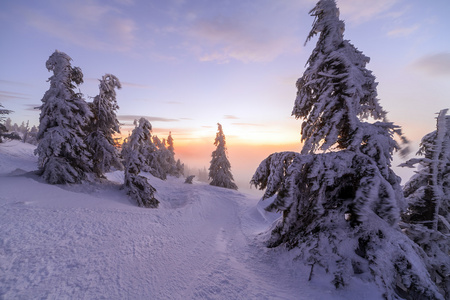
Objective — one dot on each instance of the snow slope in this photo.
(89, 241)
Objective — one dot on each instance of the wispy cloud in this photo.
(135, 85)
(131, 118)
(248, 124)
(224, 38)
(124, 84)
(85, 23)
(9, 82)
(5, 96)
(230, 117)
(246, 31)
(434, 64)
(364, 10)
(32, 107)
(403, 31)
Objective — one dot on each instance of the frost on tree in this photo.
(103, 126)
(220, 168)
(340, 199)
(134, 155)
(427, 218)
(63, 154)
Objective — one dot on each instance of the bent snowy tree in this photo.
(134, 152)
(220, 168)
(341, 206)
(103, 126)
(427, 219)
(63, 154)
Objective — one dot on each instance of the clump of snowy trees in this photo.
(4, 128)
(340, 199)
(23, 132)
(220, 168)
(76, 138)
(427, 218)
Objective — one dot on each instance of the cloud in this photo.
(230, 117)
(32, 107)
(246, 31)
(403, 31)
(247, 124)
(364, 10)
(124, 83)
(86, 24)
(131, 118)
(434, 64)
(14, 83)
(5, 96)
(135, 85)
(225, 38)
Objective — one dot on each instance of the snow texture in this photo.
(88, 241)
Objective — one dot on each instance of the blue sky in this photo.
(187, 65)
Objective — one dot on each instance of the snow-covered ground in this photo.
(89, 241)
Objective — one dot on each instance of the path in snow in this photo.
(90, 242)
(61, 244)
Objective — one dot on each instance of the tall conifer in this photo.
(220, 168)
(63, 154)
(341, 206)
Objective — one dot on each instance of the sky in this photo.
(187, 65)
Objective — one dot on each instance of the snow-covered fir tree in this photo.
(3, 124)
(341, 207)
(176, 167)
(158, 159)
(427, 219)
(103, 126)
(63, 154)
(171, 149)
(220, 168)
(134, 155)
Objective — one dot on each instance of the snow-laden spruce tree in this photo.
(63, 154)
(103, 126)
(158, 159)
(340, 200)
(220, 168)
(171, 149)
(3, 127)
(427, 218)
(176, 167)
(134, 154)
